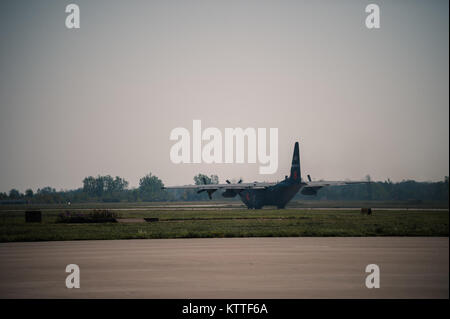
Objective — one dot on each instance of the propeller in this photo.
(228, 182)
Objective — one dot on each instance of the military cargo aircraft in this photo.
(256, 195)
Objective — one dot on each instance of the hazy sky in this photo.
(103, 99)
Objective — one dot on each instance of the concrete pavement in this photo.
(305, 267)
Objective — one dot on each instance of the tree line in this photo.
(116, 189)
(406, 190)
(109, 189)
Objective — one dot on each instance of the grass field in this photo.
(226, 222)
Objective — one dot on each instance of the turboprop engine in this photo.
(229, 193)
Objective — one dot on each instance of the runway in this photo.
(305, 267)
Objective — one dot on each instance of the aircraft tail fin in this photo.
(295, 168)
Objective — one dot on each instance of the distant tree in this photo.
(443, 189)
(29, 193)
(202, 179)
(118, 185)
(150, 188)
(369, 187)
(214, 179)
(132, 195)
(104, 185)
(46, 190)
(107, 183)
(89, 184)
(14, 194)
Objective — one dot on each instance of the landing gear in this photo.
(254, 207)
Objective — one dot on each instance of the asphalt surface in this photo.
(313, 267)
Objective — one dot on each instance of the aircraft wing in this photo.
(235, 186)
(333, 183)
(311, 188)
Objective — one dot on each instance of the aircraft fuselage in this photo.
(278, 195)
